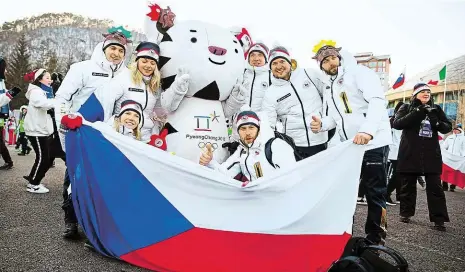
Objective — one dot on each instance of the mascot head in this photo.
(212, 55)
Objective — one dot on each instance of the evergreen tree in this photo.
(52, 62)
(18, 64)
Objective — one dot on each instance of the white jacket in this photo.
(455, 143)
(139, 93)
(356, 103)
(4, 99)
(37, 121)
(257, 80)
(85, 78)
(251, 160)
(394, 147)
(295, 102)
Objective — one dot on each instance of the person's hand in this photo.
(433, 117)
(71, 121)
(362, 138)
(206, 156)
(315, 124)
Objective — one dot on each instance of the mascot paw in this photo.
(159, 141)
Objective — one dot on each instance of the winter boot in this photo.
(71, 231)
(6, 166)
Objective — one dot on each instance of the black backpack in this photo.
(360, 255)
(284, 137)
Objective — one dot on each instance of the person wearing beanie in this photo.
(38, 126)
(80, 91)
(141, 84)
(420, 154)
(454, 143)
(250, 159)
(294, 97)
(257, 75)
(356, 106)
(5, 98)
(129, 120)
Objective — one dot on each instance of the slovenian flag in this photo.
(453, 168)
(142, 205)
(439, 77)
(400, 80)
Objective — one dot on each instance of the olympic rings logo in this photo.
(203, 145)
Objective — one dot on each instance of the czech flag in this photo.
(400, 81)
(453, 168)
(142, 205)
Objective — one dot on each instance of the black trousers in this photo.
(68, 208)
(308, 151)
(445, 186)
(394, 182)
(42, 161)
(3, 150)
(373, 182)
(434, 195)
(22, 141)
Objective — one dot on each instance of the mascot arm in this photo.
(235, 101)
(172, 97)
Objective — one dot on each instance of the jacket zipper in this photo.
(245, 162)
(146, 97)
(251, 90)
(303, 113)
(334, 102)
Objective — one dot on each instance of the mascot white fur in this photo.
(201, 66)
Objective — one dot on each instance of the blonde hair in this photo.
(137, 77)
(117, 125)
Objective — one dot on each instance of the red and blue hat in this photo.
(148, 50)
(247, 118)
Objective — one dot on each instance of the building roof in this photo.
(455, 74)
(362, 57)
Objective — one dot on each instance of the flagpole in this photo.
(405, 72)
(445, 89)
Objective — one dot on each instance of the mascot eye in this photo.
(194, 40)
(236, 51)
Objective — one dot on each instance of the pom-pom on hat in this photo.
(279, 51)
(131, 105)
(420, 87)
(33, 75)
(247, 118)
(148, 50)
(259, 47)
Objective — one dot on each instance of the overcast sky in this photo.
(416, 33)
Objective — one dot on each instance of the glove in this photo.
(14, 92)
(433, 118)
(71, 121)
(238, 92)
(182, 81)
(159, 141)
(232, 146)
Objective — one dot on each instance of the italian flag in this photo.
(441, 76)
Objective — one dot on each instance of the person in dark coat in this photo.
(420, 154)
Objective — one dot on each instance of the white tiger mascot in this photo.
(201, 66)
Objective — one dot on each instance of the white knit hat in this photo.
(130, 105)
(280, 52)
(259, 47)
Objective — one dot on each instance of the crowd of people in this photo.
(307, 110)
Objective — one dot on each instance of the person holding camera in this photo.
(420, 154)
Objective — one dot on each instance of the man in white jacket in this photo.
(294, 98)
(257, 76)
(357, 108)
(82, 93)
(256, 155)
(454, 143)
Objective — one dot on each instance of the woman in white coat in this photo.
(141, 84)
(38, 126)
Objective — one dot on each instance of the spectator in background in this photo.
(454, 143)
(420, 154)
(22, 140)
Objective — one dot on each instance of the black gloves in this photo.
(14, 92)
(232, 147)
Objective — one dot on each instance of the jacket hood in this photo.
(348, 62)
(264, 134)
(31, 87)
(98, 56)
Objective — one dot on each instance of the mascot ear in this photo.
(245, 40)
(158, 21)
